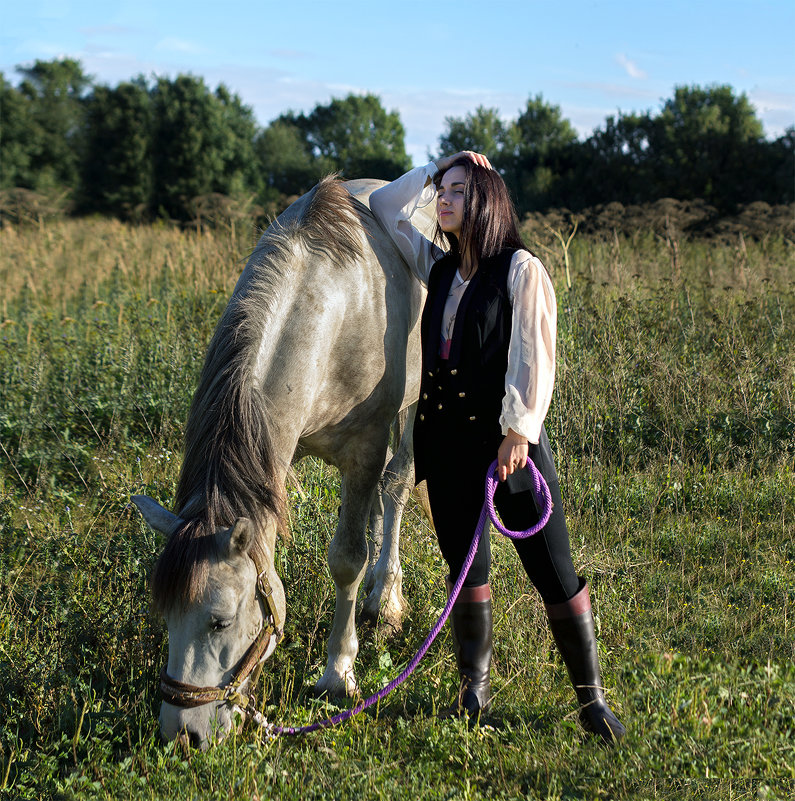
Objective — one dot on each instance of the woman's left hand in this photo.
(512, 454)
(442, 164)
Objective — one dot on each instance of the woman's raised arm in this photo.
(395, 204)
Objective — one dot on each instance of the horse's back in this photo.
(343, 328)
(424, 219)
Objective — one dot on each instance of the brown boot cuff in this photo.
(470, 594)
(579, 603)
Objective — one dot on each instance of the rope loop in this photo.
(487, 512)
(540, 490)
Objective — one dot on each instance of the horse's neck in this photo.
(242, 433)
(295, 349)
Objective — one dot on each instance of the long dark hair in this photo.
(490, 224)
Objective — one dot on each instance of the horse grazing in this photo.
(316, 353)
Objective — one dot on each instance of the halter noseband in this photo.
(187, 696)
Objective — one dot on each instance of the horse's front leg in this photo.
(385, 603)
(347, 560)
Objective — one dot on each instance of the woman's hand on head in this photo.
(512, 454)
(444, 163)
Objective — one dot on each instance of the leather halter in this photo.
(249, 668)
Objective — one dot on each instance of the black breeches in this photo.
(456, 486)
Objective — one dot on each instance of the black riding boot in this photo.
(572, 626)
(471, 624)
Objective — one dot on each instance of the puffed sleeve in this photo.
(531, 354)
(395, 204)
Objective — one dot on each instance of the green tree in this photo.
(543, 151)
(356, 136)
(17, 148)
(613, 164)
(55, 93)
(117, 175)
(703, 142)
(530, 152)
(241, 175)
(780, 158)
(286, 162)
(483, 131)
(202, 143)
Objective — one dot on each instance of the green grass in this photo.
(674, 425)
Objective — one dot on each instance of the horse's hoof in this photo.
(332, 685)
(387, 621)
(386, 617)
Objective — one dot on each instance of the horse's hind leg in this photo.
(347, 559)
(385, 602)
(375, 525)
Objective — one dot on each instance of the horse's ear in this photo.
(241, 536)
(157, 517)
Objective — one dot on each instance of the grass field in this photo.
(674, 427)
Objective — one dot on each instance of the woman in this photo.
(488, 367)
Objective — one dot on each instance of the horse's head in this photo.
(224, 607)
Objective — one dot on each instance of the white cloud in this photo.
(291, 55)
(173, 45)
(631, 68)
(614, 91)
(109, 30)
(773, 101)
(776, 110)
(43, 49)
(100, 51)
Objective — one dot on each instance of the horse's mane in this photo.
(229, 468)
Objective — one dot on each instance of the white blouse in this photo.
(530, 376)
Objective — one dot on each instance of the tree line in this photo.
(148, 149)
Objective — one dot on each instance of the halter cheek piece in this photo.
(249, 668)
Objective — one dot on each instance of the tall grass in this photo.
(674, 429)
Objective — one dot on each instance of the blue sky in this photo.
(428, 60)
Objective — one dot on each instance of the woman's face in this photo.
(450, 200)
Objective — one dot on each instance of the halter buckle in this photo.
(263, 585)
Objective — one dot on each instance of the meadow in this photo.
(674, 428)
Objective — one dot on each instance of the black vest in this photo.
(461, 397)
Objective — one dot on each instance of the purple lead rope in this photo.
(541, 491)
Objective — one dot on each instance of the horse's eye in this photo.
(221, 624)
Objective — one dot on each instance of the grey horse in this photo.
(316, 353)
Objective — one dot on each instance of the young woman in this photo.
(488, 367)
